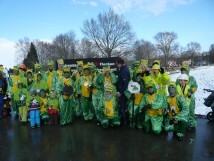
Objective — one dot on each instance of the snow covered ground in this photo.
(205, 79)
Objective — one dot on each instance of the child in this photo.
(43, 107)
(53, 108)
(20, 97)
(109, 111)
(34, 106)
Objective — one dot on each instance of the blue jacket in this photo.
(123, 78)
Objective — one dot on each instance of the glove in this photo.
(147, 72)
(162, 70)
(79, 96)
(142, 74)
(147, 106)
(132, 96)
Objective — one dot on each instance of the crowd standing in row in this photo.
(54, 97)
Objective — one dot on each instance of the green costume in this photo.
(50, 76)
(84, 91)
(39, 83)
(43, 106)
(193, 88)
(20, 97)
(60, 63)
(134, 66)
(13, 85)
(30, 79)
(108, 108)
(76, 75)
(134, 99)
(160, 80)
(65, 89)
(177, 112)
(53, 108)
(97, 92)
(153, 104)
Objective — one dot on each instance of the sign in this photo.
(98, 62)
(133, 87)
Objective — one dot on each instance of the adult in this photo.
(123, 81)
(3, 90)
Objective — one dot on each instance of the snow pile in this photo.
(205, 79)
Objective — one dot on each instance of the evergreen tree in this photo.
(32, 57)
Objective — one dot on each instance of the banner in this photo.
(98, 62)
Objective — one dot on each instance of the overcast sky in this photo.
(192, 20)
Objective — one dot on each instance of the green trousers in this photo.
(154, 123)
(87, 108)
(110, 121)
(66, 110)
(97, 101)
(177, 128)
(135, 116)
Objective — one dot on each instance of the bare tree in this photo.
(166, 44)
(144, 50)
(22, 48)
(193, 49)
(65, 45)
(109, 32)
(87, 49)
(211, 53)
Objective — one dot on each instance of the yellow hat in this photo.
(60, 61)
(86, 67)
(155, 66)
(157, 61)
(66, 68)
(144, 62)
(106, 69)
(171, 84)
(139, 71)
(1, 67)
(29, 71)
(15, 68)
(80, 63)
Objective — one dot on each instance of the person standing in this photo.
(3, 90)
(123, 81)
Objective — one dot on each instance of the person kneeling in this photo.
(177, 115)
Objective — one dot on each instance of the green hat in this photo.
(50, 62)
(91, 65)
(60, 61)
(136, 63)
(15, 68)
(144, 62)
(108, 88)
(106, 69)
(37, 65)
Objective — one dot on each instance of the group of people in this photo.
(56, 97)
